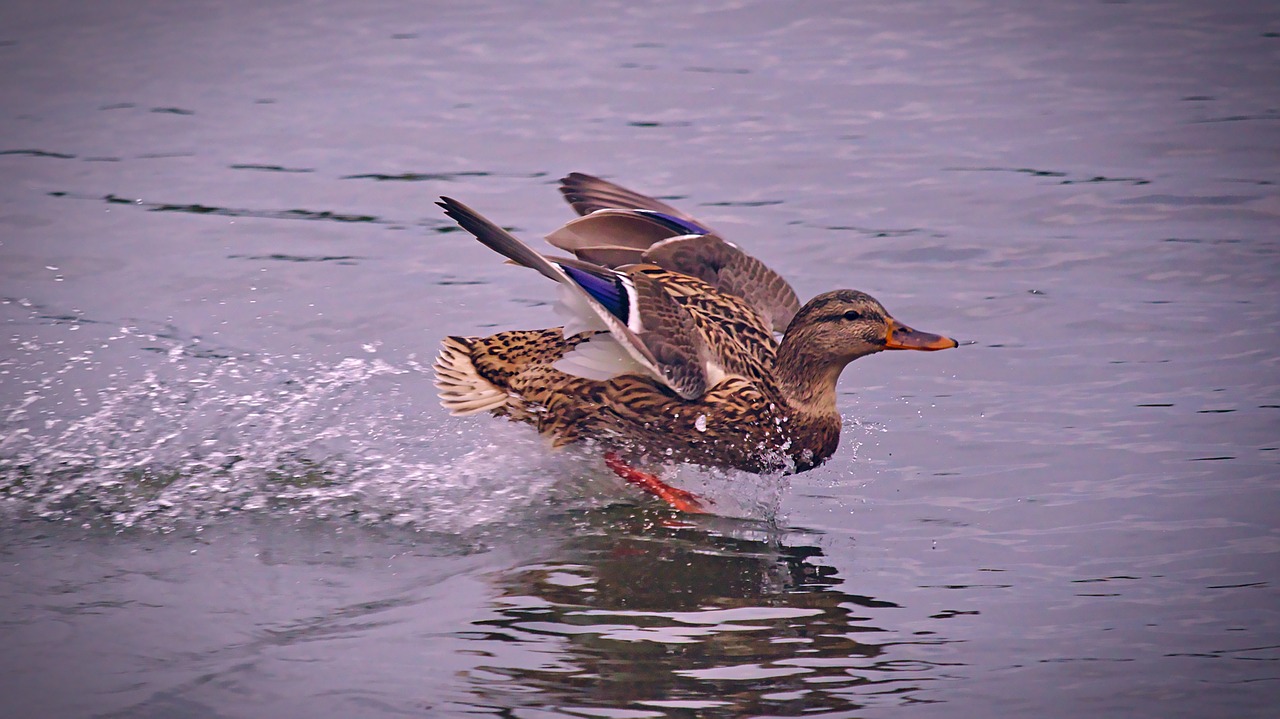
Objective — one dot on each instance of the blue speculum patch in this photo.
(676, 224)
(605, 288)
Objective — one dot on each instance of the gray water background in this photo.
(227, 489)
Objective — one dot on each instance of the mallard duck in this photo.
(668, 351)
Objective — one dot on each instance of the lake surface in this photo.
(227, 488)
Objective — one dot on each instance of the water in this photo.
(227, 490)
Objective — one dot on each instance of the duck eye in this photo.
(853, 315)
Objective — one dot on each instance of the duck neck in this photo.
(806, 379)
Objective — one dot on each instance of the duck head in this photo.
(832, 330)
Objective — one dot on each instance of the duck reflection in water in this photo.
(721, 618)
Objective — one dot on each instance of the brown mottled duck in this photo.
(668, 350)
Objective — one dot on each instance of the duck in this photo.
(676, 346)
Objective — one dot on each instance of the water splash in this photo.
(204, 433)
(197, 437)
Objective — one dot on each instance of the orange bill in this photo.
(902, 337)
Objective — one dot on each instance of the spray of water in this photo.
(198, 434)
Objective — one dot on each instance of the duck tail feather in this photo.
(462, 390)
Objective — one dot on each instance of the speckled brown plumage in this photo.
(738, 423)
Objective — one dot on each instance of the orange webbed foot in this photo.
(680, 499)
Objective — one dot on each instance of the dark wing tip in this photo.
(467, 218)
(575, 187)
(574, 178)
(450, 206)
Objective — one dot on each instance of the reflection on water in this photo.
(731, 619)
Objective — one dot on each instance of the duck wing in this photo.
(727, 268)
(587, 193)
(648, 331)
(625, 227)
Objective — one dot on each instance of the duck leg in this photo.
(680, 499)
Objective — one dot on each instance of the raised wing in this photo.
(648, 331)
(587, 194)
(624, 227)
(731, 271)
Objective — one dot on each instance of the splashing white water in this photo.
(199, 436)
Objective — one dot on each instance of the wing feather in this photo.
(621, 227)
(587, 194)
(657, 334)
